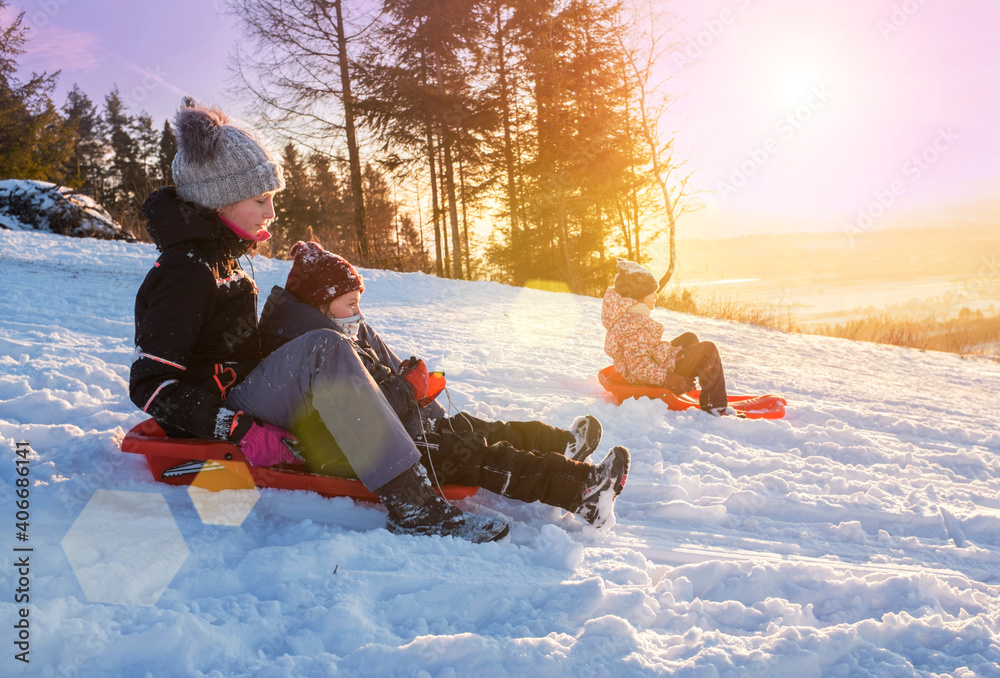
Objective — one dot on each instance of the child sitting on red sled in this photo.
(528, 461)
(635, 342)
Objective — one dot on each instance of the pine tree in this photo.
(394, 237)
(332, 213)
(559, 79)
(381, 220)
(292, 206)
(35, 142)
(529, 109)
(115, 124)
(298, 71)
(500, 66)
(147, 141)
(85, 168)
(168, 149)
(418, 73)
(128, 140)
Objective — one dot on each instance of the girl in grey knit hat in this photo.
(224, 168)
(218, 164)
(198, 369)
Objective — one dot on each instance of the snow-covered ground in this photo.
(859, 536)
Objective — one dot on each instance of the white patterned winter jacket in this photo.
(635, 341)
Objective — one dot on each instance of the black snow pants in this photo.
(701, 359)
(522, 460)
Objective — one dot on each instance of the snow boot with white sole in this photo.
(587, 433)
(606, 482)
(415, 508)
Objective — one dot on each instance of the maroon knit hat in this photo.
(318, 277)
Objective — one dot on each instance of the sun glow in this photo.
(793, 86)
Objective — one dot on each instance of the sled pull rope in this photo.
(451, 408)
(430, 459)
(451, 405)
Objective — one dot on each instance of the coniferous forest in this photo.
(513, 140)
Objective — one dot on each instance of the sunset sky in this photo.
(863, 102)
(796, 115)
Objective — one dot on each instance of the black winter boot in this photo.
(605, 483)
(587, 433)
(415, 508)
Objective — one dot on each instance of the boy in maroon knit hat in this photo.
(528, 461)
(320, 278)
(318, 275)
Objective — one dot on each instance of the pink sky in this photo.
(867, 84)
(796, 114)
(155, 52)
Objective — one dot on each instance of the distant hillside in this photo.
(895, 254)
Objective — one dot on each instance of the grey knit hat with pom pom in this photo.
(218, 164)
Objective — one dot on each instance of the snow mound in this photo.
(28, 205)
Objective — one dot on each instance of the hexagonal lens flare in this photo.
(125, 547)
(223, 493)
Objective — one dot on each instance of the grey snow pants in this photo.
(319, 373)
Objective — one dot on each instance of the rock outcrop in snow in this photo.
(27, 205)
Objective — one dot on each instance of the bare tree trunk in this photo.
(635, 223)
(439, 158)
(354, 157)
(420, 226)
(395, 221)
(456, 238)
(449, 178)
(432, 157)
(508, 150)
(465, 219)
(623, 221)
(564, 244)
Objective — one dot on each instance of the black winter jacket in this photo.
(195, 320)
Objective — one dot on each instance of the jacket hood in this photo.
(284, 318)
(283, 312)
(171, 221)
(615, 307)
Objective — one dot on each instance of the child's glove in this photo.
(263, 444)
(679, 385)
(437, 384)
(414, 371)
(425, 386)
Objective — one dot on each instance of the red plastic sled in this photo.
(217, 465)
(754, 407)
